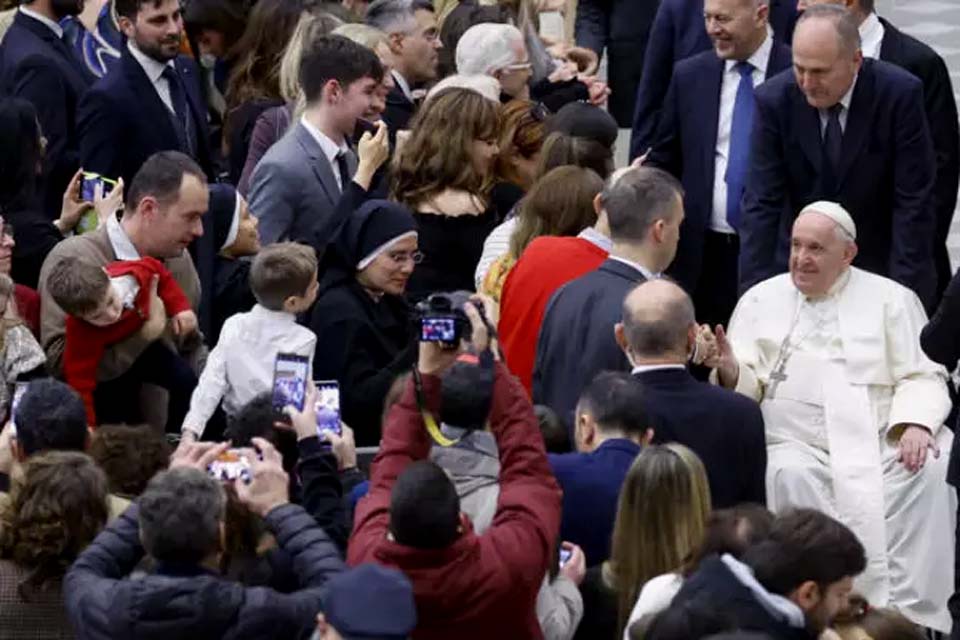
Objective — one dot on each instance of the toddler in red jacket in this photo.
(106, 305)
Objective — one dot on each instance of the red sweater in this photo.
(480, 587)
(546, 264)
(85, 343)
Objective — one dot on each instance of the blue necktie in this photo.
(739, 154)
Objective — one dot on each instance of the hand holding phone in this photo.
(231, 465)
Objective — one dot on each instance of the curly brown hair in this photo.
(56, 508)
(522, 134)
(438, 154)
(130, 456)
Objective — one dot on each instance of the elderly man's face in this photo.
(736, 27)
(819, 254)
(824, 70)
(515, 78)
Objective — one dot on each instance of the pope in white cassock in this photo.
(853, 409)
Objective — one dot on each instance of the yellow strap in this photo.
(434, 430)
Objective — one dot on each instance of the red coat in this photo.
(85, 343)
(546, 264)
(481, 587)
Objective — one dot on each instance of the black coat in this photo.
(35, 238)
(576, 338)
(724, 428)
(398, 113)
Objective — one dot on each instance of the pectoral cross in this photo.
(776, 376)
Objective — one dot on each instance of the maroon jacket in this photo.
(480, 587)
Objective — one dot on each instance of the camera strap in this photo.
(429, 421)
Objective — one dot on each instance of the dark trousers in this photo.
(117, 401)
(716, 294)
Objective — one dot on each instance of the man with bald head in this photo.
(658, 334)
(853, 410)
(841, 128)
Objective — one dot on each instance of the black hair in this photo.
(690, 620)
(161, 177)
(616, 400)
(556, 436)
(256, 420)
(424, 507)
(130, 8)
(50, 417)
(337, 58)
(19, 154)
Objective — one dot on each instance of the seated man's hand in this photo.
(268, 487)
(914, 442)
(706, 347)
(721, 357)
(184, 323)
(156, 322)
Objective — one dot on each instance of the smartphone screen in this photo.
(328, 407)
(565, 555)
(230, 465)
(91, 186)
(289, 381)
(18, 390)
(438, 329)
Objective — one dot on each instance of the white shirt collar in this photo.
(642, 368)
(329, 147)
(760, 59)
(123, 247)
(649, 275)
(153, 68)
(261, 312)
(848, 96)
(871, 36)
(591, 235)
(50, 24)
(403, 84)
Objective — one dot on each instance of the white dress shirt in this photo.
(649, 275)
(122, 245)
(154, 70)
(643, 368)
(330, 148)
(844, 111)
(241, 366)
(591, 235)
(728, 96)
(50, 24)
(871, 36)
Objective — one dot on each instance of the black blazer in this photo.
(123, 121)
(678, 32)
(909, 53)
(885, 180)
(398, 113)
(576, 338)
(723, 427)
(39, 67)
(686, 147)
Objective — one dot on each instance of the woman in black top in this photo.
(362, 321)
(444, 175)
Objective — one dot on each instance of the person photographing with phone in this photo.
(411, 518)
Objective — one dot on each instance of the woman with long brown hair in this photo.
(444, 174)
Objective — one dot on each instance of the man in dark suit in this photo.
(678, 33)
(297, 184)
(414, 41)
(644, 209)
(704, 139)
(723, 427)
(842, 129)
(37, 65)
(611, 425)
(883, 41)
(150, 103)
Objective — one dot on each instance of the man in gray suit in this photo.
(296, 186)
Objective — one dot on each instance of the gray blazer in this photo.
(294, 191)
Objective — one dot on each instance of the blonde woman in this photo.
(661, 518)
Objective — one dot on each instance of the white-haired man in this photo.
(853, 410)
(496, 50)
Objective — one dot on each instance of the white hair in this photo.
(486, 86)
(487, 47)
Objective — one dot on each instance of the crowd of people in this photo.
(336, 319)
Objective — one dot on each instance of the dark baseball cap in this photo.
(584, 120)
(370, 601)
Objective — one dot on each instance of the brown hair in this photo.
(559, 204)
(731, 531)
(280, 271)
(77, 286)
(56, 508)
(879, 624)
(522, 134)
(560, 148)
(130, 456)
(438, 154)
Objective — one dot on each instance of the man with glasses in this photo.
(496, 50)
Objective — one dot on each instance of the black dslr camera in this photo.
(442, 317)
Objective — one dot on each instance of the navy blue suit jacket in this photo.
(123, 121)
(686, 147)
(39, 67)
(679, 32)
(721, 426)
(576, 338)
(591, 487)
(885, 179)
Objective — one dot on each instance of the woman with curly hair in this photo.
(55, 509)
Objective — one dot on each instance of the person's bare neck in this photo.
(664, 359)
(320, 118)
(132, 228)
(758, 39)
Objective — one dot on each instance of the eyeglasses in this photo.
(402, 257)
(519, 66)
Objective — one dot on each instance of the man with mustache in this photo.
(152, 102)
(37, 65)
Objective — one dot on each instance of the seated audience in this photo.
(162, 216)
(106, 306)
(443, 174)
(411, 518)
(130, 456)
(661, 519)
(178, 521)
(789, 585)
(56, 508)
(361, 318)
(241, 367)
(659, 337)
(860, 621)
(611, 426)
(368, 601)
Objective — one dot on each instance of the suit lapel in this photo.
(77, 73)
(891, 47)
(858, 120)
(154, 111)
(318, 162)
(713, 81)
(197, 108)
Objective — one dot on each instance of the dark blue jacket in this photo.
(678, 33)
(591, 487)
(885, 180)
(576, 338)
(686, 145)
(724, 428)
(39, 67)
(122, 121)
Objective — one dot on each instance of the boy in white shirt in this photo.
(284, 281)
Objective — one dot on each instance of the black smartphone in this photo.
(289, 381)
